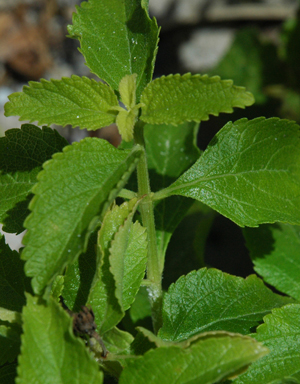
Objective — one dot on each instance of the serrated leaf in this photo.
(78, 101)
(73, 190)
(279, 333)
(8, 373)
(22, 153)
(50, 352)
(102, 298)
(250, 173)
(210, 300)
(13, 282)
(205, 362)
(10, 341)
(128, 258)
(79, 277)
(117, 39)
(274, 250)
(57, 287)
(175, 99)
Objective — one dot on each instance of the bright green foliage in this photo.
(102, 298)
(78, 101)
(280, 334)
(22, 153)
(100, 235)
(128, 258)
(262, 158)
(205, 362)
(274, 250)
(118, 341)
(67, 220)
(50, 352)
(175, 99)
(117, 38)
(209, 300)
(13, 281)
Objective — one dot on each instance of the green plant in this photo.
(90, 240)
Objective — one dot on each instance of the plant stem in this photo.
(146, 208)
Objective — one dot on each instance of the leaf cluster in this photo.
(99, 220)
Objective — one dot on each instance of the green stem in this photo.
(146, 207)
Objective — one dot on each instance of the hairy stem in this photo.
(146, 208)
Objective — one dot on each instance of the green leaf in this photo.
(10, 335)
(50, 352)
(140, 308)
(22, 153)
(117, 341)
(250, 173)
(279, 333)
(185, 251)
(13, 281)
(274, 250)
(128, 258)
(73, 191)
(79, 277)
(117, 39)
(78, 101)
(175, 98)
(171, 150)
(102, 296)
(210, 300)
(205, 362)
(8, 373)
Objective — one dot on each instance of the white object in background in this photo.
(14, 241)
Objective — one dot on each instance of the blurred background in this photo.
(254, 42)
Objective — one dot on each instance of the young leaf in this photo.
(274, 250)
(205, 362)
(210, 300)
(13, 280)
(279, 333)
(78, 101)
(102, 298)
(50, 352)
(249, 173)
(175, 98)
(117, 39)
(117, 341)
(10, 335)
(128, 258)
(22, 153)
(73, 190)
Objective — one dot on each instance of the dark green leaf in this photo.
(10, 341)
(250, 173)
(210, 300)
(205, 362)
(13, 281)
(8, 373)
(22, 153)
(280, 334)
(274, 250)
(117, 39)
